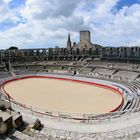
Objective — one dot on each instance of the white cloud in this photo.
(7, 1)
(4, 13)
(7, 14)
(48, 22)
(123, 28)
(42, 9)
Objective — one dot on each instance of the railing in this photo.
(85, 118)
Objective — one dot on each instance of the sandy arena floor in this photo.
(63, 96)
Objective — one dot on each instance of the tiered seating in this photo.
(62, 71)
(100, 64)
(135, 100)
(2, 68)
(66, 63)
(116, 65)
(19, 67)
(85, 71)
(103, 72)
(53, 67)
(19, 135)
(122, 66)
(35, 67)
(80, 63)
(4, 75)
(51, 62)
(125, 75)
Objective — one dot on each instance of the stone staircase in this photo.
(13, 127)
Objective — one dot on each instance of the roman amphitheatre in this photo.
(84, 91)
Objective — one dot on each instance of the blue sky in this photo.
(46, 23)
(16, 3)
(128, 3)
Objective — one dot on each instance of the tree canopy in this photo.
(13, 48)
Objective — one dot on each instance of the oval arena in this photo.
(70, 96)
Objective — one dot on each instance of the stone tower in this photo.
(85, 36)
(69, 42)
(85, 42)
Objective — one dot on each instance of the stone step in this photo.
(5, 138)
(21, 136)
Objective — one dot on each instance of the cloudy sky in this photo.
(46, 23)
